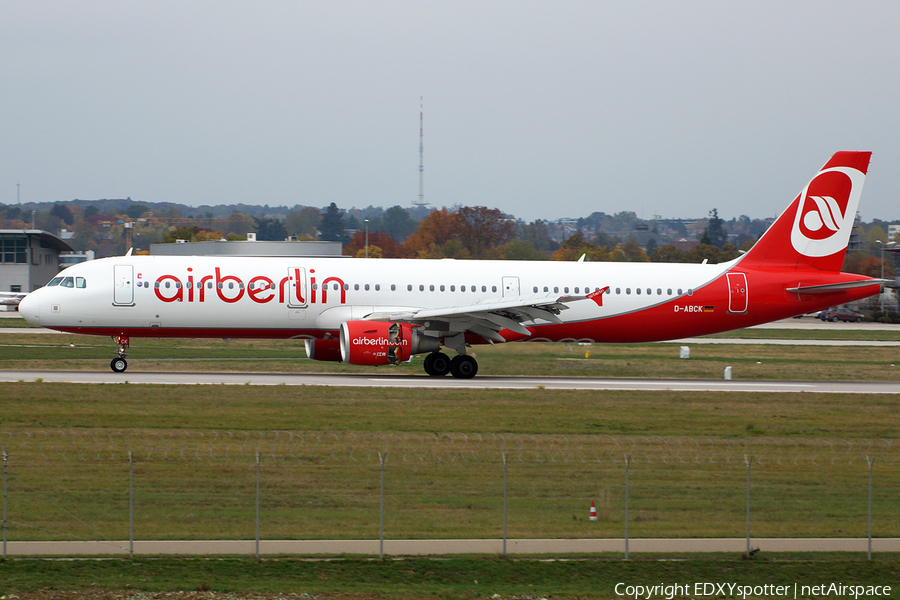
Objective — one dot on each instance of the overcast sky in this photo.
(542, 109)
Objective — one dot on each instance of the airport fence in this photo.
(283, 485)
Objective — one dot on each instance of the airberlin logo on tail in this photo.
(825, 212)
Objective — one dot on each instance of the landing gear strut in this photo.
(119, 364)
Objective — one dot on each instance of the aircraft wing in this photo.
(486, 319)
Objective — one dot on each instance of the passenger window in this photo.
(346, 286)
(669, 291)
(484, 288)
(494, 288)
(618, 290)
(452, 288)
(377, 287)
(68, 282)
(230, 285)
(178, 285)
(168, 284)
(421, 288)
(442, 288)
(409, 287)
(80, 282)
(679, 291)
(393, 287)
(474, 289)
(566, 289)
(535, 289)
(462, 288)
(55, 281)
(576, 290)
(356, 287)
(209, 285)
(658, 291)
(638, 291)
(690, 292)
(556, 289)
(628, 291)
(221, 285)
(366, 287)
(431, 288)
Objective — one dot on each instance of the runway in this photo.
(423, 381)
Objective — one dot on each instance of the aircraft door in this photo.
(737, 293)
(510, 287)
(123, 285)
(296, 288)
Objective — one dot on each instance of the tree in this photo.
(386, 244)
(716, 229)
(633, 251)
(537, 233)
(62, 212)
(702, 251)
(304, 222)
(435, 229)
(667, 253)
(397, 223)
(521, 250)
(331, 229)
(136, 211)
(479, 229)
(240, 224)
(269, 229)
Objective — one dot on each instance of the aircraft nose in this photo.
(30, 309)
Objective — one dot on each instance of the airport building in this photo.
(29, 258)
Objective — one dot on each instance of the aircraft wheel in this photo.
(437, 364)
(463, 367)
(118, 365)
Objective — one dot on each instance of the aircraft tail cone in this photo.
(593, 516)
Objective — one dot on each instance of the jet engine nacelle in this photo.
(380, 343)
(325, 350)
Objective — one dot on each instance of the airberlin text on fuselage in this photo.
(230, 288)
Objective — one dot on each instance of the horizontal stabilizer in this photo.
(837, 287)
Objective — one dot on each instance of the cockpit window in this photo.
(80, 282)
(54, 281)
(68, 282)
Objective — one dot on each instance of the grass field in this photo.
(194, 480)
(463, 577)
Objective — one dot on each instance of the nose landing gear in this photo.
(119, 364)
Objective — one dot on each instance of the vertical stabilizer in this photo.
(814, 231)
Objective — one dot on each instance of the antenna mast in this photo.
(421, 201)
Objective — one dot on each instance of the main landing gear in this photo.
(438, 364)
(119, 364)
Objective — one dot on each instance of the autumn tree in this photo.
(434, 231)
(479, 229)
(388, 248)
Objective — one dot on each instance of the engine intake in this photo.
(379, 343)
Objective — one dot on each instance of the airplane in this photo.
(11, 298)
(386, 311)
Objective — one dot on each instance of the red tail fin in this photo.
(814, 231)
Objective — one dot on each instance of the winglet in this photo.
(597, 295)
